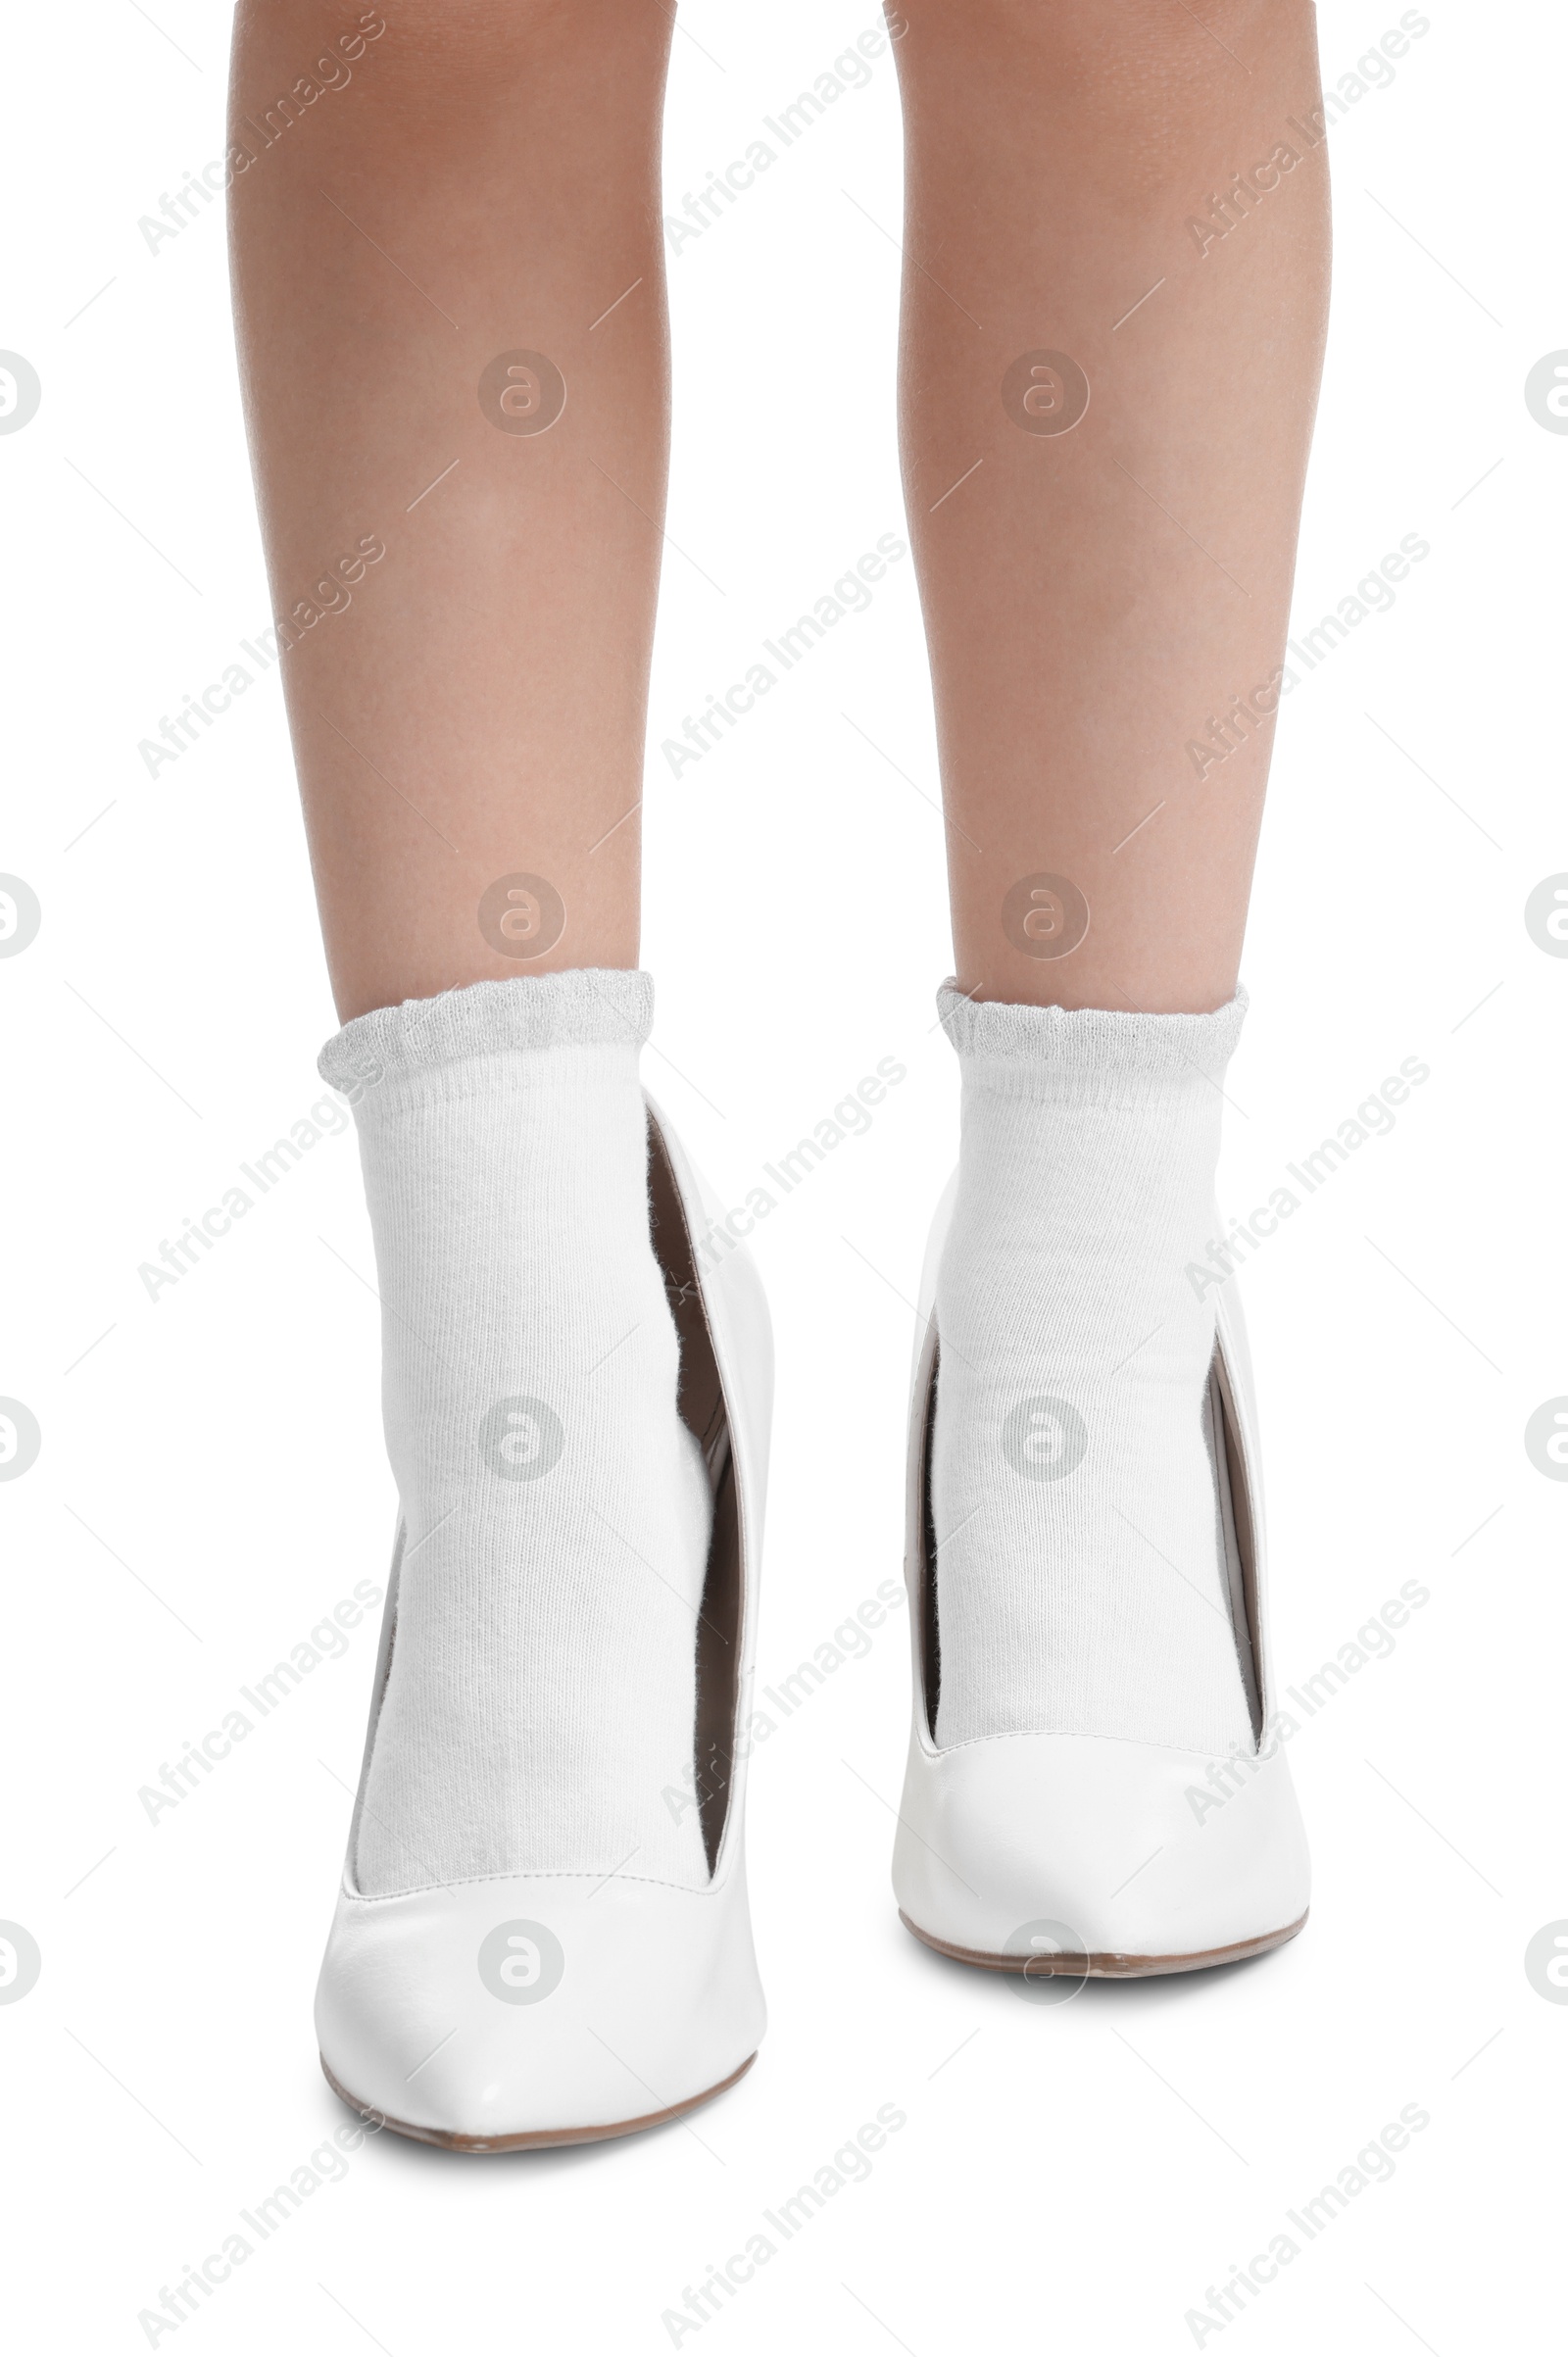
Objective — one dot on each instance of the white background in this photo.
(212, 1479)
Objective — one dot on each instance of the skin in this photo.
(1093, 596)
(477, 711)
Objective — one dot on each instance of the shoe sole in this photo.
(1108, 1965)
(533, 2140)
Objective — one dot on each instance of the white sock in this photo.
(1082, 1576)
(542, 1695)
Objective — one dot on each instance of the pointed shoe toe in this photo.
(531, 2010)
(535, 2008)
(1082, 1854)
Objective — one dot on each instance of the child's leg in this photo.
(1113, 316)
(1098, 598)
(430, 261)
(485, 184)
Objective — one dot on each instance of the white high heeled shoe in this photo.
(1091, 1855)
(538, 2009)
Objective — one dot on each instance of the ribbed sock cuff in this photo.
(1084, 1055)
(588, 1007)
